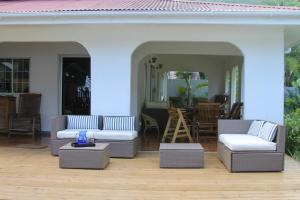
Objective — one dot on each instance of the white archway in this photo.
(45, 70)
(176, 54)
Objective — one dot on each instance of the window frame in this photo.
(12, 74)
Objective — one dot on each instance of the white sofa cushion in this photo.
(98, 134)
(73, 133)
(115, 135)
(268, 131)
(246, 142)
(121, 123)
(82, 122)
(255, 127)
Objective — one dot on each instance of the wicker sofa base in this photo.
(237, 161)
(118, 149)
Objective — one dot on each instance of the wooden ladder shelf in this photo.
(176, 126)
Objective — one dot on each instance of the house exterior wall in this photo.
(111, 48)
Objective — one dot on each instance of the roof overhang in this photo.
(122, 17)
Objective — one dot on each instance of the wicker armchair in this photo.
(150, 123)
(27, 120)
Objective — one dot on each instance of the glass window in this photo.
(14, 75)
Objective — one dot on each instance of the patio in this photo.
(139, 178)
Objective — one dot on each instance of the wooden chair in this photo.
(150, 123)
(176, 126)
(235, 112)
(27, 120)
(207, 117)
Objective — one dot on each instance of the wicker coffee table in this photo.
(84, 157)
(181, 155)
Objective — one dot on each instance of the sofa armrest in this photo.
(280, 139)
(58, 123)
(228, 126)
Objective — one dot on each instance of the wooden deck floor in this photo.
(34, 174)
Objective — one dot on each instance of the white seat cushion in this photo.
(246, 142)
(115, 135)
(98, 134)
(73, 133)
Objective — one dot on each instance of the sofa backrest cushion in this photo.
(120, 123)
(268, 131)
(82, 122)
(255, 127)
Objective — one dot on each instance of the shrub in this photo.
(292, 121)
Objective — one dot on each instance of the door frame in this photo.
(60, 71)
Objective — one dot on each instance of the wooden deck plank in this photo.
(34, 174)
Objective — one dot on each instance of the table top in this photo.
(97, 147)
(180, 146)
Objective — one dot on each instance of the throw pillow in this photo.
(268, 131)
(255, 127)
(82, 122)
(123, 123)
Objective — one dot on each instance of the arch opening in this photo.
(59, 71)
(220, 62)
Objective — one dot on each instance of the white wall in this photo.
(111, 48)
(44, 71)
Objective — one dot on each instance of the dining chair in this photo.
(207, 116)
(176, 126)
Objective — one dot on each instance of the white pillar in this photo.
(110, 80)
(264, 79)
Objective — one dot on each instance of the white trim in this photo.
(12, 58)
(154, 17)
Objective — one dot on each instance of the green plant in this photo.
(292, 122)
(187, 77)
(188, 90)
(181, 90)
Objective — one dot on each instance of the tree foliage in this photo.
(292, 102)
(292, 122)
(292, 67)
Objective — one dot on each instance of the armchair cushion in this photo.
(255, 127)
(82, 122)
(122, 123)
(268, 131)
(246, 142)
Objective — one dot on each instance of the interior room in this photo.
(189, 82)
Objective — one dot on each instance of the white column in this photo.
(264, 79)
(110, 80)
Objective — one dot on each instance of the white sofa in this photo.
(118, 131)
(243, 148)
